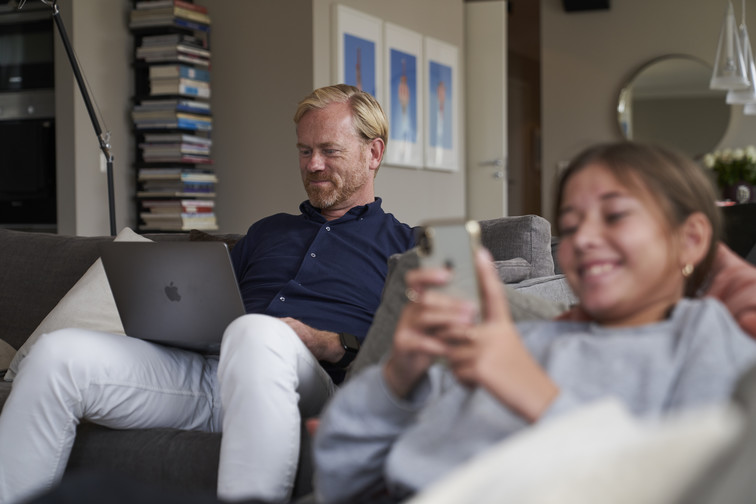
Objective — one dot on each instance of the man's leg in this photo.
(111, 380)
(268, 380)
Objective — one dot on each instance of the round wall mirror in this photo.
(668, 102)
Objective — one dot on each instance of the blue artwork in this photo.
(440, 116)
(359, 63)
(403, 96)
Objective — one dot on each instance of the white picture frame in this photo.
(442, 97)
(404, 96)
(358, 50)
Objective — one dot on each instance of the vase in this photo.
(740, 192)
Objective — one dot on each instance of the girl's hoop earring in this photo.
(687, 270)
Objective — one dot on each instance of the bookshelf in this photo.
(171, 116)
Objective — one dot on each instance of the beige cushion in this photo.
(88, 305)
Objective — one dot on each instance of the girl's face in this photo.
(616, 250)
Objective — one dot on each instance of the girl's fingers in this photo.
(494, 301)
(421, 278)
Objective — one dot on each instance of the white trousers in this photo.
(264, 382)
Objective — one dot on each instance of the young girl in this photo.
(639, 228)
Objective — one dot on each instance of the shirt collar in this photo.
(359, 211)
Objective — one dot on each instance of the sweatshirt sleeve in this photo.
(355, 436)
(716, 356)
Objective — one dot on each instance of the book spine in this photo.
(197, 74)
(191, 14)
(190, 6)
(201, 92)
(192, 25)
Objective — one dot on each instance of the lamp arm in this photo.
(102, 138)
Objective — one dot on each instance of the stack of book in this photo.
(179, 79)
(166, 50)
(169, 13)
(172, 113)
(172, 116)
(179, 214)
(176, 182)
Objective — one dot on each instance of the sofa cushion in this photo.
(37, 271)
(525, 236)
(229, 239)
(88, 305)
(552, 288)
(523, 305)
(513, 270)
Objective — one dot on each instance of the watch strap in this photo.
(351, 346)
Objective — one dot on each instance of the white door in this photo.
(486, 120)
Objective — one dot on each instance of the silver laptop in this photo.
(182, 294)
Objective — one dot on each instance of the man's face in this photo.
(337, 166)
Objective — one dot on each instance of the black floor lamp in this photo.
(103, 138)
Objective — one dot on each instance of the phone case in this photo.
(453, 244)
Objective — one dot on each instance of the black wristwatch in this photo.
(351, 346)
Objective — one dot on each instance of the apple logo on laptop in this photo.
(172, 292)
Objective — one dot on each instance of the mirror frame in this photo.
(623, 97)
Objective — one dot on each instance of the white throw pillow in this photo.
(597, 454)
(89, 304)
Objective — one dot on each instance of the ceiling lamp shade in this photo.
(748, 94)
(729, 67)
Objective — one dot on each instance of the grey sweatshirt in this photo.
(373, 446)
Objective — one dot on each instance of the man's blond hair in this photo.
(369, 119)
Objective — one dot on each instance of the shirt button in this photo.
(282, 299)
(312, 254)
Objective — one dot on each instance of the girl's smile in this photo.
(617, 253)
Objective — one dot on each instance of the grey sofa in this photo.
(37, 270)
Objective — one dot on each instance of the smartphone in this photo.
(453, 244)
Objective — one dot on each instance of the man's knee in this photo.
(257, 333)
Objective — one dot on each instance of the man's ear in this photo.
(377, 148)
(695, 238)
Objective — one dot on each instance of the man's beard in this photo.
(340, 189)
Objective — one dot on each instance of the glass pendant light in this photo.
(747, 95)
(729, 67)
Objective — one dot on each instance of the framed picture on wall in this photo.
(404, 95)
(441, 105)
(358, 42)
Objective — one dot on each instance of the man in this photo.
(310, 283)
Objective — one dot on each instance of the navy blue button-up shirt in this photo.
(327, 274)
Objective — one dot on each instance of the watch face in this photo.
(349, 342)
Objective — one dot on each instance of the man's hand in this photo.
(324, 345)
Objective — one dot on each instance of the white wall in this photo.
(588, 56)
(103, 45)
(412, 195)
(268, 55)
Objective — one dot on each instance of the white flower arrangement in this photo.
(732, 165)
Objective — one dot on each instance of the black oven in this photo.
(27, 119)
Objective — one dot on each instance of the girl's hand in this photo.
(429, 313)
(492, 355)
